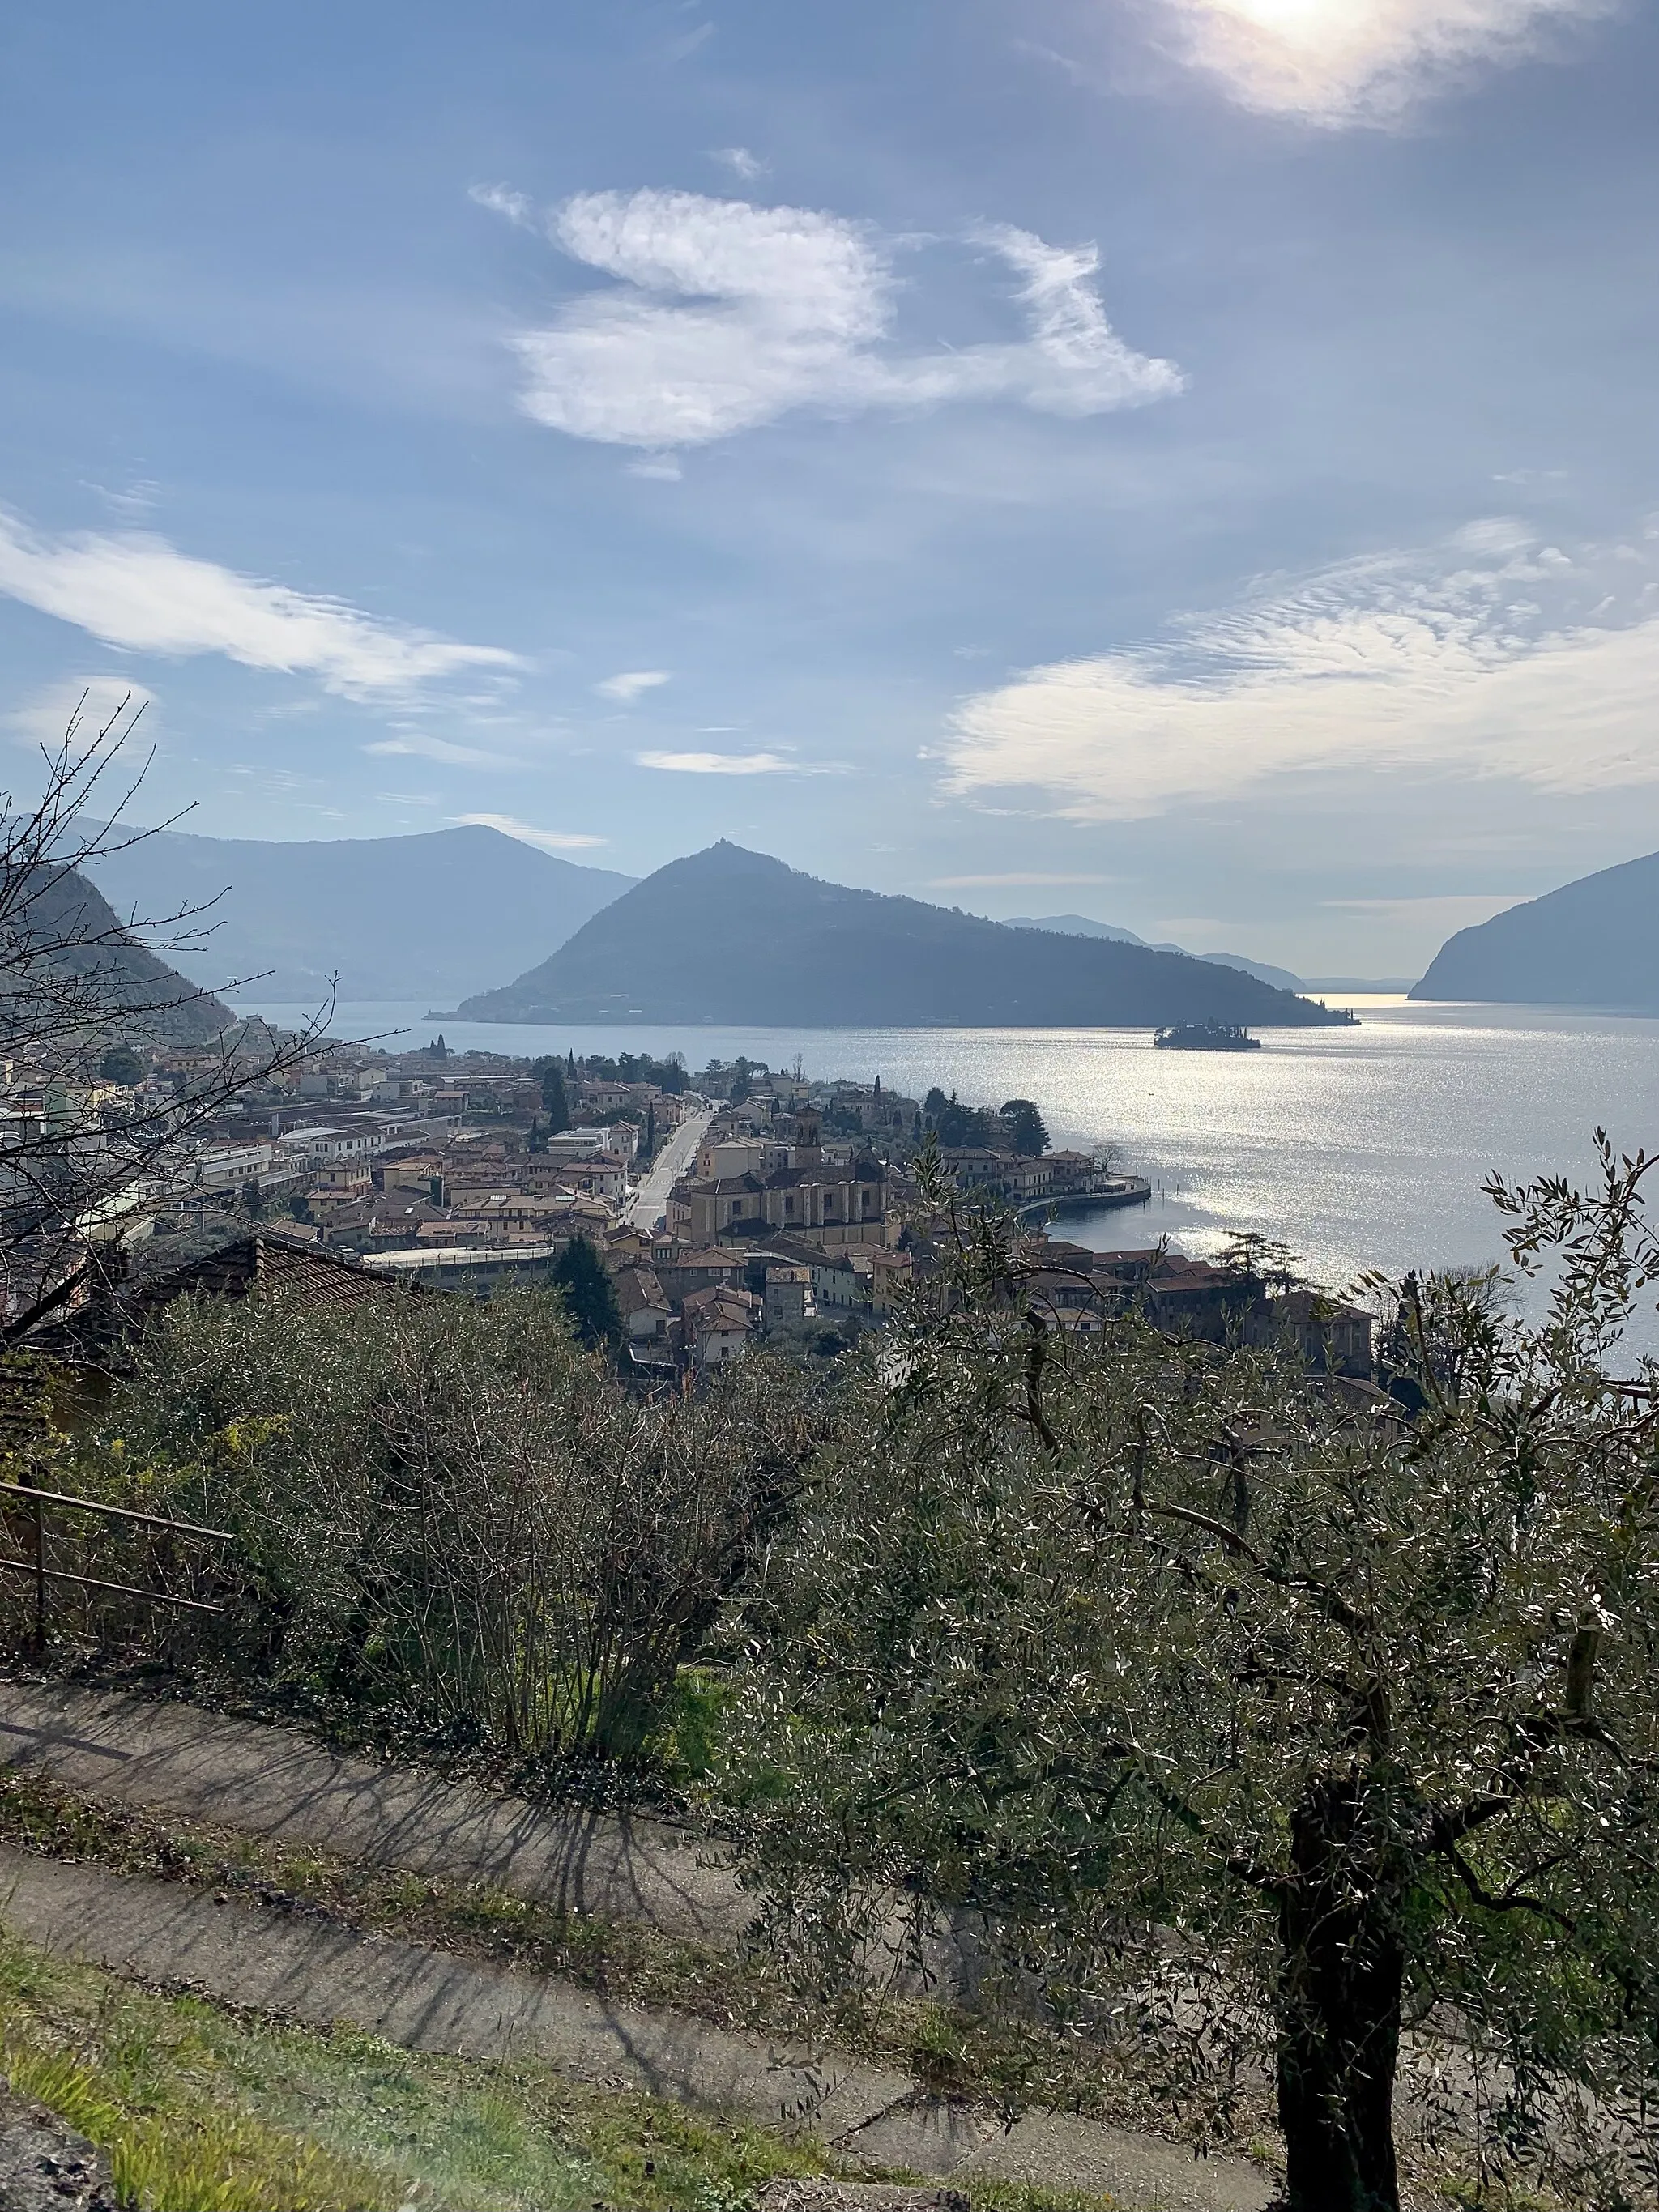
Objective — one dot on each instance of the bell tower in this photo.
(808, 1137)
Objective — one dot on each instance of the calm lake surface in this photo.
(1359, 1148)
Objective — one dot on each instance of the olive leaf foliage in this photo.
(1267, 1729)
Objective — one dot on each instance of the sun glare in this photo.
(1333, 60)
(1298, 18)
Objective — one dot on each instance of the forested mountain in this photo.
(62, 927)
(1593, 943)
(728, 935)
(430, 917)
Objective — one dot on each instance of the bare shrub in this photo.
(449, 1506)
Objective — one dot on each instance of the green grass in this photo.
(200, 2108)
(204, 2108)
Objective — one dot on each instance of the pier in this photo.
(1115, 1191)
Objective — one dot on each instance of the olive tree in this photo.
(1250, 1710)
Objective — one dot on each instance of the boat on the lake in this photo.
(1205, 1036)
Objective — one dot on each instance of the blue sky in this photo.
(1187, 461)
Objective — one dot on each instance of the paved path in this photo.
(274, 1782)
(313, 1969)
(649, 1204)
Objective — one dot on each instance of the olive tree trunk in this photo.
(1342, 1972)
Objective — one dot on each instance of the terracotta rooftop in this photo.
(259, 1265)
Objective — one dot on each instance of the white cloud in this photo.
(501, 199)
(721, 763)
(139, 591)
(552, 841)
(744, 165)
(414, 745)
(1333, 62)
(632, 684)
(91, 702)
(727, 316)
(1074, 362)
(1447, 664)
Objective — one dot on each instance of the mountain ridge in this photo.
(148, 1000)
(429, 915)
(1593, 942)
(728, 935)
(1083, 924)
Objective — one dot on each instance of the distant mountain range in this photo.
(732, 936)
(1593, 943)
(1081, 925)
(432, 916)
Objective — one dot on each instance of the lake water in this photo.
(1359, 1147)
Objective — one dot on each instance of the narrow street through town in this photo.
(649, 1204)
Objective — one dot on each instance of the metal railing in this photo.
(43, 1576)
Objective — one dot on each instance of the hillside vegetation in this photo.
(1252, 1723)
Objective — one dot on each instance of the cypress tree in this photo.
(554, 1104)
(589, 1294)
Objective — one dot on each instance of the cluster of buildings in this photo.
(782, 1209)
(771, 1225)
(1077, 1290)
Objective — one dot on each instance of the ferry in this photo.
(1205, 1036)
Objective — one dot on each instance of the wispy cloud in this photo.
(132, 500)
(1338, 63)
(691, 42)
(1442, 912)
(744, 165)
(721, 763)
(633, 683)
(552, 841)
(414, 746)
(1445, 663)
(139, 591)
(500, 200)
(1066, 64)
(44, 718)
(726, 316)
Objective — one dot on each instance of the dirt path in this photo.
(313, 1969)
